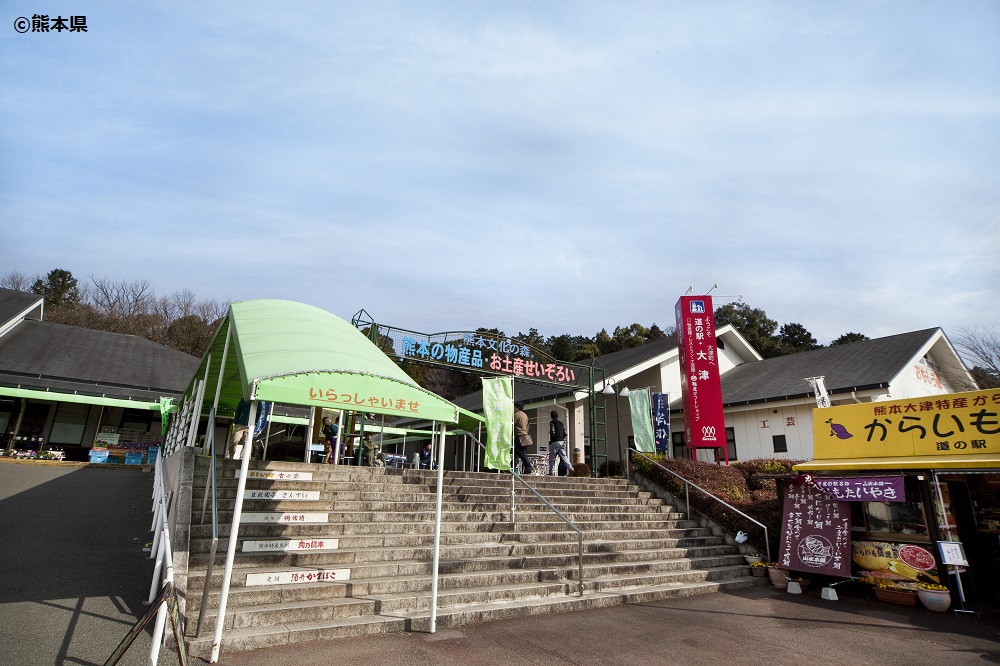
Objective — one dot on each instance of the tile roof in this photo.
(869, 363)
(13, 303)
(46, 355)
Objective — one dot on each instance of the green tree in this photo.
(794, 338)
(533, 339)
(848, 338)
(753, 324)
(59, 288)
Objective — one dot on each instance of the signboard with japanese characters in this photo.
(701, 387)
(280, 495)
(954, 424)
(815, 532)
(661, 422)
(488, 354)
(289, 545)
(295, 577)
(276, 476)
(863, 489)
(283, 517)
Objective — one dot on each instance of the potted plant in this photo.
(752, 557)
(778, 577)
(803, 582)
(895, 595)
(759, 568)
(934, 597)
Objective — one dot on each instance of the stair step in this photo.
(372, 573)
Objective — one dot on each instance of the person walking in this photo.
(522, 439)
(329, 438)
(557, 446)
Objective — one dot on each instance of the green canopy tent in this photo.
(295, 354)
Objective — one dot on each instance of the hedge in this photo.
(737, 484)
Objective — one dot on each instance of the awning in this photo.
(972, 461)
(297, 354)
(80, 398)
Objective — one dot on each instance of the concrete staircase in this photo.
(332, 551)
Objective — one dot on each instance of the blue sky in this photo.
(568, 166)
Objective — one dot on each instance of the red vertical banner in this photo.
(701, 386)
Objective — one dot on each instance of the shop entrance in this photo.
(975, 502)
(486, 354)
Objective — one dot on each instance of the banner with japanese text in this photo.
(642, 424)
(951, 424)
(862, 489)
(815, 532)
(661, 423)
(498, 408)
(701, 385)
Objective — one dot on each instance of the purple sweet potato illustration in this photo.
(838, 430)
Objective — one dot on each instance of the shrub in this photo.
(610, 468)
(735, 484)
(581, 469)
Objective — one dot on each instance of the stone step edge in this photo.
(257, 637)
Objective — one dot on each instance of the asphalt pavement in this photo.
(74, 579)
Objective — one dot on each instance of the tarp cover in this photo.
(297, 354)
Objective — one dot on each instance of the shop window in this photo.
(677, 439)
(69, 423)
(137, 419)
(731, 444)
(903, 520)
(780, 445)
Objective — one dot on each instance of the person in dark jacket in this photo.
(557, 445)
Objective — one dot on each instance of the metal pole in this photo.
(953, 569)
(340, 437)
(618, 424)
(222, 371)
(437, 533)
(267, 433)
(234, 533)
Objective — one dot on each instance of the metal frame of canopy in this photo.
(296, 354)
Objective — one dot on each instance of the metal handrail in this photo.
(210, 481)
(579, 532)
(687, 497)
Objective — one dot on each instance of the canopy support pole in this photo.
(437, 532)
(307, 457)
(17, 424)
(340, 438)
(267, 433)
(234, 531)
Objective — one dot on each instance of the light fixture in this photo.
(608, 390)
(624, 392)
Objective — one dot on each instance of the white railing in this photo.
(163, 573)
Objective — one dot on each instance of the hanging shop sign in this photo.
(498, 408)
(701, 386)
(642, 424)
(815, 532)
(661, 422)
(953, 424)
(861, 489)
